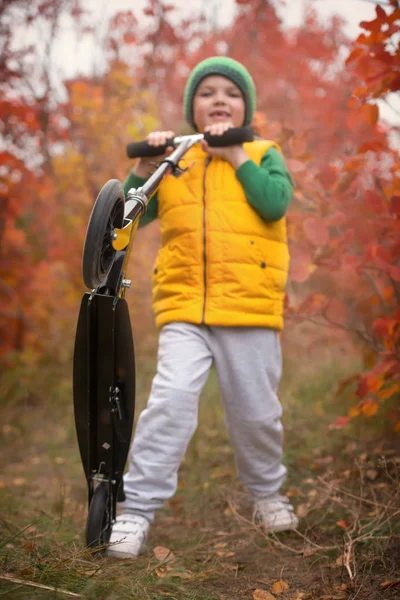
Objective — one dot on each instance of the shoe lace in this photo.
(137, 524)
(277, 501)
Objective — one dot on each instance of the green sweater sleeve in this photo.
(134, 181)
(268, 187)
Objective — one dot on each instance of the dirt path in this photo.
(345, 489)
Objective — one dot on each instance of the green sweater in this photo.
(268, 187)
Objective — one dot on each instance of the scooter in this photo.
(104, 358)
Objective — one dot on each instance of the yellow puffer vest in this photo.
(219, 262)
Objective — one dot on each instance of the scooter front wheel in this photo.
(98, 251)
(98, 528)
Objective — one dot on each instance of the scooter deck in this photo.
(104, 385)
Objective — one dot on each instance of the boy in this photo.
(218, 291)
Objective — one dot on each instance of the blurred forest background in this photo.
(318, 95)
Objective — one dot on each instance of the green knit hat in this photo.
(227, 67)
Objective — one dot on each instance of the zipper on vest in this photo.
(207, 162)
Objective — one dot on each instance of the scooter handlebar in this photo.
(232, 137)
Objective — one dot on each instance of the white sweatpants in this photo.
(248, 365)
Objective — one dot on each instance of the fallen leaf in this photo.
(371, 474)
(182, 573)
(225, 553)
(8, 429)
(389, 584)
(293, 492)
(232, 567)
(221, 472)
(169, 571)
(262, 595)
(302, 510)
(29, 546)
(31, 530)
(27, 571)
(19, 481)
(163, 554)
(343, 524)
(280, 586)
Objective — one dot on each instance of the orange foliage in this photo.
(356, 223)
(344, 227)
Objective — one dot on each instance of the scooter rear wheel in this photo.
(98, 527)
(98, 251)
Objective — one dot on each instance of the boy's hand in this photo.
(155, 138)
(235, 155)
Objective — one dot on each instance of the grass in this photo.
(344, 484)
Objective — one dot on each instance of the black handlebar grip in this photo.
(139, 149)
(235, 135)
(232, 137)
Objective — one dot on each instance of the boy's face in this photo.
(218, 100)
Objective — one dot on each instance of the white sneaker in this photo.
(128, 536)
(275, 513)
